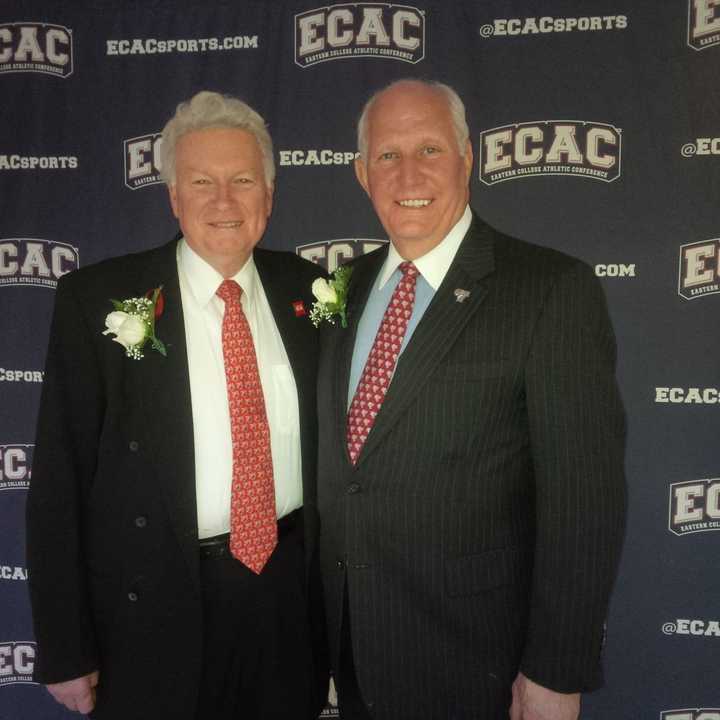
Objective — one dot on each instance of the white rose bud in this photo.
(114, 320)
(323, 291)
(131, 332)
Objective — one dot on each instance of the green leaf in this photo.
(158, 345)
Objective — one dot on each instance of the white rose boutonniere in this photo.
(323, 291)
(331, 297)
(133, 323)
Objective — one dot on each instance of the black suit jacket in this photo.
(111, 515)
(479, 532)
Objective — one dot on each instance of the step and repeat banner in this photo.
(596, 130)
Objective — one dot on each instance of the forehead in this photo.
(217, 145)
(409, 112)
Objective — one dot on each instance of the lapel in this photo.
(438, 329)
(162, 385)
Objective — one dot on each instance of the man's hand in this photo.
(77, 694)
(534, 702)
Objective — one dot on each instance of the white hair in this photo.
(454, 103)
(207, 110)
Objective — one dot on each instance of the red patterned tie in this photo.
(253, 522)
(381, 361)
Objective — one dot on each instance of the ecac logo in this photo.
(31, 261)
(333, 253)
(699, 270)
(576, 148)
(36, 47)
(15, 466)
(142, 160)
(395, 32)
(703, 24)
(691, 714)
(694, 506)
(17, 662)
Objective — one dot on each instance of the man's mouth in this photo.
(227, 225)
(417, 203)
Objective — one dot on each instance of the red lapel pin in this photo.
(299, 308)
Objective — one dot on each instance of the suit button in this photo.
(353, 488)
(141, 521)
(340, 564)
(132, 596)
(134, 446)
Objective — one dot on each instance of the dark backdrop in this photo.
(596, 128)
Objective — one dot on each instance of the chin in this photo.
(411, 232)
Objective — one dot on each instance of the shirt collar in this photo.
(204, 280)
(433, 266)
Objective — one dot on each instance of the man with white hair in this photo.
(470, 480)
(170, 556)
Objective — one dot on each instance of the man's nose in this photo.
(222, 194)
(410, 173)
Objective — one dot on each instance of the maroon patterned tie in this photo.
(381, 362)
(253, 521)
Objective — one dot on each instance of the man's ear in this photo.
(468, 157)
(269, 192)
(361, 174)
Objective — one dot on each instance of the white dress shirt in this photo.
(203, 311)
(433, 265)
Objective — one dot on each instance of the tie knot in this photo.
(229, 291)
(408, 269)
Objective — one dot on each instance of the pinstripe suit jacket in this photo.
(479, 532)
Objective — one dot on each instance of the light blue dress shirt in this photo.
(432, 268)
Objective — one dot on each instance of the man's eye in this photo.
(388, 155)
(242, 181)
(201, 181)
(430, 150)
